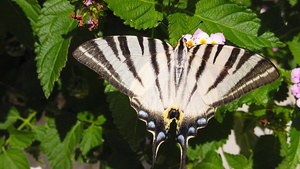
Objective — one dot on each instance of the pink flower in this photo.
(275, 49)
(88, 3)
(189, 40)
(295, 89)
(200, 37)
(217, 38)
(295, 75)
(90, 22)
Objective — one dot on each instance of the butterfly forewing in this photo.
(166, 83)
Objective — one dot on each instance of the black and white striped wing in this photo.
(215, 76)
(138, 67)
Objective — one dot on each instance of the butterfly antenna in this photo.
(195, 27)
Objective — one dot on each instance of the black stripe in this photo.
(110, 75)
(168, 55)
(192, 56)
(141, 40)
(260, 68)
(126, 52)
(180, 49)
(231, 60)
(112, 44)
(167, 52)
(153, 52)
(205, 58)
(247, 54)
(220, 47)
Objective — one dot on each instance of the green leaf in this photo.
(212, 160)
(202, 149)
(12, 117)
(109, 88)
(2, 141)
(239, 24)
(92, 137)
(16, 22)
(60, 153)
(177, 26)
(52, 29)
(268, 149)
(100, 120)
(126, 120)
(136, 13)
(237, 161)
(13, 159)
(21, 139)
(32, 10)
(294, 47)
(86, 116)
(294, 149)
(200, 146)
(244, 133)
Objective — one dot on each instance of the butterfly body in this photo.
(166, 83)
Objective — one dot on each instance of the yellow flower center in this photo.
(213, 42)
(189, 44)
(203, 41)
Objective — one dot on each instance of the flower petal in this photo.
(217, 38)
(295, 89)
(295, 75)
(200, 37)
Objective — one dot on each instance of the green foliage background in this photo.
(53, 105)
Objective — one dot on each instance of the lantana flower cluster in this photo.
(201, 37)
(295, 89)
(91, 7)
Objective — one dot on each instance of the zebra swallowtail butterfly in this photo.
(166, 83)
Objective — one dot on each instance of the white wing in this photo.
(140, 68)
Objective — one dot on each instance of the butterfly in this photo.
(166, 83)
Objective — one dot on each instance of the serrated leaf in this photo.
(239, 25)
(12, 117)
(13, 159)
(15, 19)
(92, 137)
(136, 13)
(237, 161)
(86, 116)
(177, 26)
(21, 139)
(212, 160)
(32, 10)
(52, 28)
(294, 47)
(126, 120)
(64, 152)
(100, 120)
(202, 149)
(60, 153)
